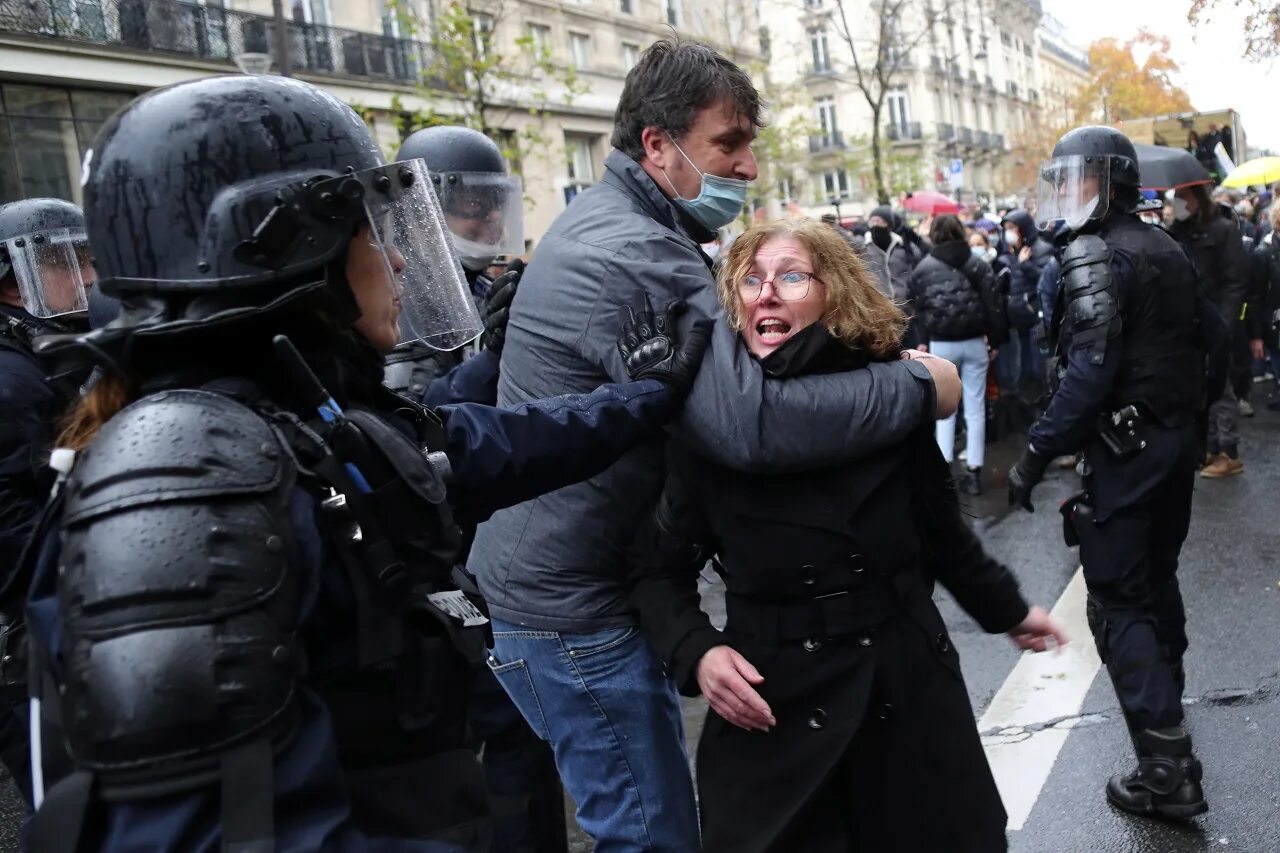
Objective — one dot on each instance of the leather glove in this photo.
(651, 349)
(1024, 476)
(497, 308)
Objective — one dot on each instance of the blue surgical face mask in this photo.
(719, 201)
(978, 252)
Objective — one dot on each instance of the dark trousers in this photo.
(1130, 563)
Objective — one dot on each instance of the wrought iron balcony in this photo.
(997, 141)
(825, 142)
(946, 132)
(984, 139)
(966, 136)
(213, 33)
(905, 132)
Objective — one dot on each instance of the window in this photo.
(1005, 39)
(580, 47)
(626, 7)
(977, 115)
(835, 183)
(630, 55)
(540, 39)
(312, 12)
(44, 133)
(785, 193)
(673, 12)
(580, 163)
(818, 44)
(481, 32)
(813, 4)
(899, 109)
(826, 115)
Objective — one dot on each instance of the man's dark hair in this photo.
(1206, 208)
(946, 228)
(671, 82)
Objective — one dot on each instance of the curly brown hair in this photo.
(856, 311)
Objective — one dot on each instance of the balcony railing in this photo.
(966, 136)
(984, 139)
(213, 33)
(904, 132)
(946, 132)
(826, 142)
(997, 141)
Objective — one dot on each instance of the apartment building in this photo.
(67, 65)
(969, 78)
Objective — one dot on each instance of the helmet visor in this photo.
(408, 228)
(53, 271)
(485, 214)
(1073, 189)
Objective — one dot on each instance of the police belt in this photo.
(831, 615)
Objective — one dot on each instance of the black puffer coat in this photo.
(954, 296)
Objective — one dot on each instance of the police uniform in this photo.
(245, 630)
(1128, 380)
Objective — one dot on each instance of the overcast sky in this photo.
(1213, 70)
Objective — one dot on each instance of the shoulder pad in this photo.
(175, 445)
(1085, 249)
(1093, 310)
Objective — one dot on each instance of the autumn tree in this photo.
(1261, 24)
(1120, 88)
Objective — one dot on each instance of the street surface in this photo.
(1056, 734)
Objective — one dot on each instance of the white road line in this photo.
(1041, 688)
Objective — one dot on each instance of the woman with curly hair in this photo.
(839, 719)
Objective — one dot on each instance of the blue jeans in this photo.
(970, 358)
(613, 719)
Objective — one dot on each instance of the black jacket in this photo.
(1264, 289)
(1222, 264)
(828, 576)
(955, 298)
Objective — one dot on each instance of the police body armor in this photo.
(1153, 321)
(179, 583)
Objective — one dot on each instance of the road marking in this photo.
(1041, 688)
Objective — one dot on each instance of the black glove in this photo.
(648, 344)
(1024, 476)
(497, 308)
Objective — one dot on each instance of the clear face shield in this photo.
(408, 228)
(1074, 189)
(485, 215)
(53, 271)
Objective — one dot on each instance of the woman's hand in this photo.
(1033, 633)
(946, 381)
(725, 678)
(1259, 351)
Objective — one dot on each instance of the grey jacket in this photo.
(892, 268)
(557, 563)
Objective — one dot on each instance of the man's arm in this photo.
(737, 417)
(473, 381)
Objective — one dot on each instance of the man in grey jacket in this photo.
(566, 645)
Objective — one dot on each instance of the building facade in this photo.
(67, 65)
(961, 82)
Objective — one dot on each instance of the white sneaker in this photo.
(1245, 407)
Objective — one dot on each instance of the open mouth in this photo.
(772, 331)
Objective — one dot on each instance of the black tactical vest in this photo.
(1161, 368)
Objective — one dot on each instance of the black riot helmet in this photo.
(1076, 183)
(227, 196)
(43, 246)
(482, 204)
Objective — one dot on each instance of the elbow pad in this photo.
(1091, 296)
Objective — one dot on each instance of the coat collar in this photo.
(627, 175)
(895, 241)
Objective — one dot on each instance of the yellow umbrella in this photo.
(1263, 170)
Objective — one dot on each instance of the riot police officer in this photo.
(243, 623)
(483, 212)
(44, 276)
(1128, 374)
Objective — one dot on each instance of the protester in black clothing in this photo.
(1264, 300)
(835, 686)
(960, 318)
(1210, 235)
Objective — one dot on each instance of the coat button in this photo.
(865, 640)
(857, 563)
(808, 575)
(944, 645)
(817, 719)
(885, 711)
(812, 644)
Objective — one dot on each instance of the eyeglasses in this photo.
(789, 286)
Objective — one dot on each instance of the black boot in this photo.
(1167, 781)
(971, 482)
